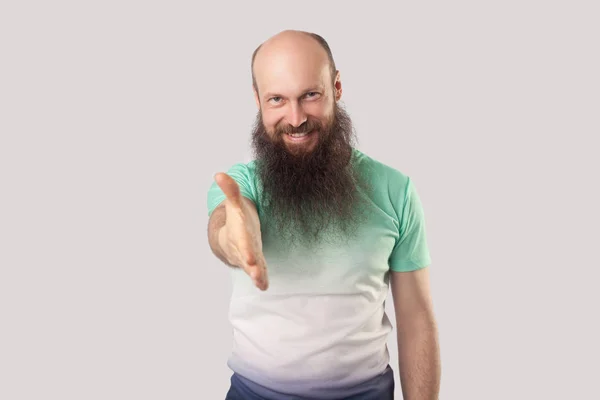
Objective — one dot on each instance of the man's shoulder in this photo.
(379, 171)
(387, 185)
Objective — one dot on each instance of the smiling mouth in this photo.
(298, 137)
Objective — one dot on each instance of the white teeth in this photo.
(298, 134)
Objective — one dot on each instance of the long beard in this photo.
(309, 196)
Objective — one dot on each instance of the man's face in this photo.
(296, 97)
(302, 139)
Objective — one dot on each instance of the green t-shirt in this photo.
(397, 209)
(322, 320)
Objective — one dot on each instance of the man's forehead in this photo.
(292, 78)
(291, 60)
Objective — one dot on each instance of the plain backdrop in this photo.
(115, 115)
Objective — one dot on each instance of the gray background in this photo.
(115, 115)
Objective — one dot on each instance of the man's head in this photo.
(302, 137)
(296, 87)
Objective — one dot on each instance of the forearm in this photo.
(218, 236)
(419, 358)
(216, 223)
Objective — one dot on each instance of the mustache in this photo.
(306, 127)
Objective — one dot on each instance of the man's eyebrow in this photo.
(271, 94)
(316, 88)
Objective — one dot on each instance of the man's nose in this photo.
(296, 116)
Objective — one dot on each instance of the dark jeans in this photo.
(378, 388)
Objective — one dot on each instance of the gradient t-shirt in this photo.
(320, 328)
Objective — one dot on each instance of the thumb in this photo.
(230, 188)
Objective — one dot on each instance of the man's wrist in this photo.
(222, 245)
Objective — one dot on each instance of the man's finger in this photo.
(253, 271)
(250, 258)
(230, 188)
(258, 275)
(246, 253)
(263, 280)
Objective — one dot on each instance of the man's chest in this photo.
(354, 264)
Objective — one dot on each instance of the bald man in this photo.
(315, 232)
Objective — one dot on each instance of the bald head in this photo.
(292, 49)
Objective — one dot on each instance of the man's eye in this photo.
(275, 99)
(311, 94)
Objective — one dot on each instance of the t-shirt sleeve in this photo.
(411, 250)
(241, 174)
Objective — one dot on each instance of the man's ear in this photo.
(256, 98)
(337, 86)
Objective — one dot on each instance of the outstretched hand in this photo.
(240, 237)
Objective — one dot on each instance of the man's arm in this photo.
(418, 346)
(217, 220)
(234, 232)
(215, 223)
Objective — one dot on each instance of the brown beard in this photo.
(309, 193)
